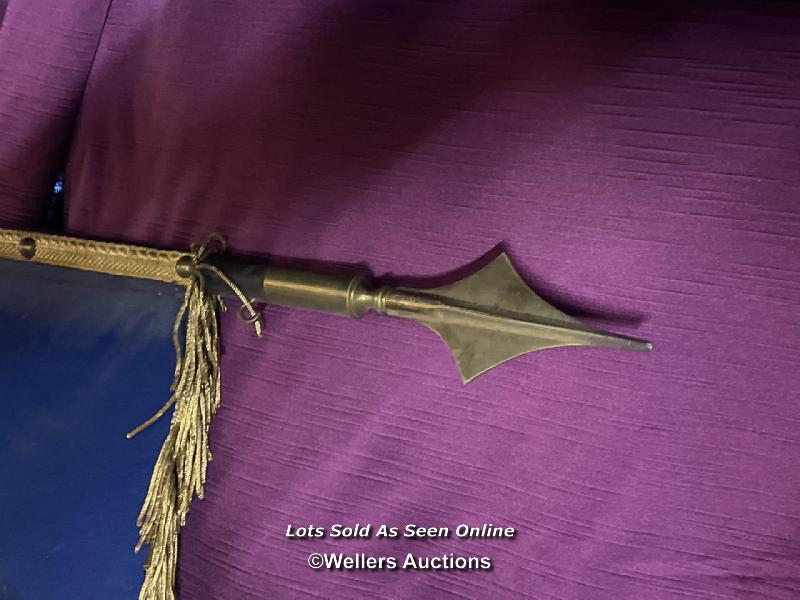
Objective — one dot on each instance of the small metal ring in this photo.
(216, 238)
(247, 318)
(185, 266)
(27, 247)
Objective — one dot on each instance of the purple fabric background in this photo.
(641, 166)
(46, 49)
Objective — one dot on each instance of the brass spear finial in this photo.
(485, 318)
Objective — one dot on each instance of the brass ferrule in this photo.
(341, 294)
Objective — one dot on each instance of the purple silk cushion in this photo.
(642, 167)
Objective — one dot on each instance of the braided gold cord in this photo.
(89, 255)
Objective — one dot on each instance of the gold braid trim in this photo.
(90, 255)
(179, 473)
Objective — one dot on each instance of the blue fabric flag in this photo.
(83, 358)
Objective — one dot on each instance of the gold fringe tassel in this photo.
(180, 470)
